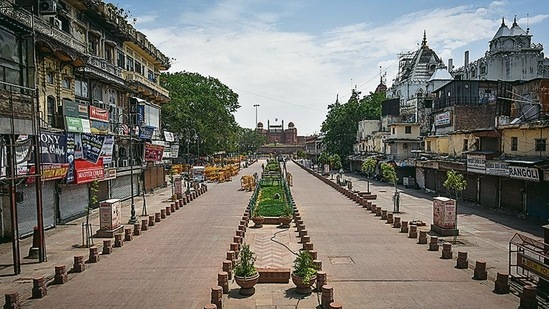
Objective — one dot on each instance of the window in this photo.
(483, 69)
(121, 59)
(429, 146)
(49, 77)
(465, 144)
(81, 88)
(150, 76)
(408, 130)
(66, 83)
(393, 130)
(514, 143)
(129, 63)
(138, 67)
(50, 110)
(16, 55)
(541, 144)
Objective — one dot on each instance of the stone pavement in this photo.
(369, 264)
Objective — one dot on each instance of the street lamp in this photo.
(189, 158)
(256, 106)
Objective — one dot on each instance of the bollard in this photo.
(446, 251)
(378, 211)
(480, 271)
(422, 239)
(60, 276)
(184, 200)
(237, 239)
(404, 227)
(128, 236)
(78, 265)
(412, 232)
(217, 296)
(303, 232)
(172, 207)
(502, 284)
(228, 268)
(321, 279)
(327, 296)
(168, 210)
(528, 298)
(239, 233)
(305, 239)
(136, 229)
(373, 208)
(336, 305)
(462, 262)
(390, 219)
(107, 246)
(433, 243)
(94, 255)
(231, 257)
(157, 217)
(151, 220)
(210, 306)
(39, 289)
(163, 213)
(118, 240)
(144, 224)
(314, 254)
(317, 264)
(176, 205)
(234, 247)
(223, 281)
(396, 222)
(383, 214)
(12, 300)
(308, 246)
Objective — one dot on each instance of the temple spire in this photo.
(424, 43)
(503, 21)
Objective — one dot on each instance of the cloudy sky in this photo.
(294, 57)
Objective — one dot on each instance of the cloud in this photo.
(145, 19)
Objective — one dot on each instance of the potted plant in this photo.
(257, 218)
(245, 273)
(304, 273)
(286, 216)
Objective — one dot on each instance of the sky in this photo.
(295, 57)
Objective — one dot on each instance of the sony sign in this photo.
(526, 173)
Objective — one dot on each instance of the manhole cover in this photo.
(337, 260)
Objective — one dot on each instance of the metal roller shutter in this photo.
(538, 199)
(26, 210)
(489, 191)
(470, 192)
(121, 186)
(511, 194)
(73, 201)
(431, 179)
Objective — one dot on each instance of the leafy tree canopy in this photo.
(203, 104)
(341, 123)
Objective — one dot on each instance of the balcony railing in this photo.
(134, 77)
(105, 66)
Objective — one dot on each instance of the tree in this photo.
(324, 158)
(341, 123)
(203, 104)
(301, 154)
(389, 173)
(455, 184)
(335, 161)
(368, 167)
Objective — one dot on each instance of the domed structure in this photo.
(291, 125)
(260, 125)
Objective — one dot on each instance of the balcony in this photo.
(153, 90)
(104, 70)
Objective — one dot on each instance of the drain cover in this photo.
(337, 260)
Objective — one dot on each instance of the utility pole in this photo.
(256, 106)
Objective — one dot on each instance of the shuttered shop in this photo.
(511, 194)
(431, 179)
(470, 192)
(538, 199)
(120, 187)
(26, 210)
(73, 201)
(489, 191)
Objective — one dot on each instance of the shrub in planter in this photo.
(245, 272)
(304, 273)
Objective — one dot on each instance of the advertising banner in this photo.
(86, 171)
(153, 152)
(106, 151)
(99, 114)
(91, 146)
(53, 147)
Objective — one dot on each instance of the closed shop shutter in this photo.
(26, 210)
(470, 192)
(431, 179)
(489, 191)
(73, 202)
(441, 178)
(511, 194)
(121, 186)
(538, 199)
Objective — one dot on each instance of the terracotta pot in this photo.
(301, 287)
(258, 221)
(285, 221)
(247, 284)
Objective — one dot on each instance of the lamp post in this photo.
(133, 219)
(256, 106)
(189, 158)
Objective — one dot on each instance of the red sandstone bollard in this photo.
(528, 298)
(321, 279)
(317, 264)
(12, 300)
(422, 239)
(168, 210)
(144, 224)
(60, 276)
(78, 265)
(172, 207)
(378, 211)
(107, 246)
(217, 296)
(336, 305)
(446, 251)
(136, 229)
(396, 222)
(433, 243)
(162, 213)
(383, 214)
(373, 208)
(327, 296)
(118, 240)
(314, 254)
(303, 232)
(239, 233)
(39, 289)
(176, 205)
(94, 255)
(184, 200)
(237, 239)
(234, 247)
(151, 220)
(223, 281)
(480, 272)
(210, 306)
(404, 227)
(305, 239)
(157, 217)
(128, 236)
(389, 218)
(308, 246)
(412, 233)
(462, 262)
(228, 267)
(231, 257)
(502, 284)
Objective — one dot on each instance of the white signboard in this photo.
(476, 164)
(443, 119)
(497, 168)
(526, 173)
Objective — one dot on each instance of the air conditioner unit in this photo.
(47, 7)
(56, 22)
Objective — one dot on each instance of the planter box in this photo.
(274, 275)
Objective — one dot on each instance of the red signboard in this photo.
(153, 152)
(50, 171)
(86, 171)
(100, 114)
